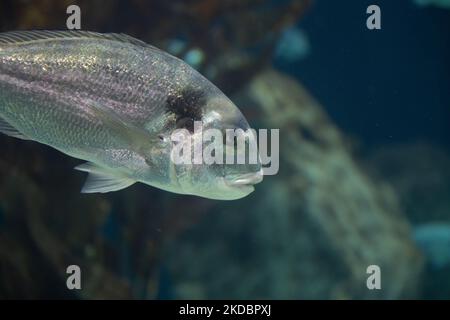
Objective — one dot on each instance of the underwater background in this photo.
(364, 161)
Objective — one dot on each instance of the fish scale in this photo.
(58, 81)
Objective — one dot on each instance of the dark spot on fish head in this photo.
(187, 106)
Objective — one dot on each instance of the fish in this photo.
(114, 101)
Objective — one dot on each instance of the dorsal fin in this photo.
(21, 37)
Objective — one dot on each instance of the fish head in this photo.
(226, 179)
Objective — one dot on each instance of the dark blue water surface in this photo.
(388, 85)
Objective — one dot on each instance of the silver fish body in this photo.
(113, 101)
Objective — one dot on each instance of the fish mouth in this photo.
(245, 181)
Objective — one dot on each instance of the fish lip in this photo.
(245, 181)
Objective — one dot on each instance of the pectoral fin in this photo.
(100, 180)
(122, 127)
(9, 130)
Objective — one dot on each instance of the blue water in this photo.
(383, 86)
